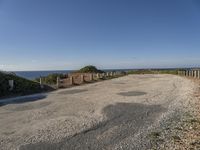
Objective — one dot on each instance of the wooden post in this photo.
(11, 84)
(195, 74)
(100, 76)
(91, 77)
(58, 82)
(82, 78)
(188, 73)
(198, 74)
(94, 76)
(107, 74)
(41, 84)
(97, 75)
(71, 80)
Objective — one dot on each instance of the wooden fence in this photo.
(80, 78)
(194, 73)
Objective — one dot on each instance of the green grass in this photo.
(149, 71)
(21, 86)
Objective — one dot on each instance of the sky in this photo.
(110, 34)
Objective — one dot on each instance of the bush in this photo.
(90, 69)
(51, 79)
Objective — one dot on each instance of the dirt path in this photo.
(114, 114)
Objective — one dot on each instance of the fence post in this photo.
(97, 75)
(41, 84)
(94, 76)
(107, 74)
(198, 74)
(11, 84)
(91, 77)
(101, 75)
(188, 73)
(71, 80)
(58, 82)
(82, 78)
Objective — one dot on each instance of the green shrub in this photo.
(51, 79)
(90, 69)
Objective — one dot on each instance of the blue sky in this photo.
(68, 34)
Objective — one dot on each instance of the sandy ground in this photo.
(113, 114)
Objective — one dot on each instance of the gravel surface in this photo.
(120, 113)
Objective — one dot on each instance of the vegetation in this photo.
(21, 86)
(175, 71)
(140, 72)
(90, 69)
(154, 71)
(51, 79)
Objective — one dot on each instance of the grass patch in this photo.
(21, 86)
(154, 71)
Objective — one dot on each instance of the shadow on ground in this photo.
(73, 91)
(22, 100)
(122, 120)
(132, 93)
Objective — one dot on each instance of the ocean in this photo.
(36, 74)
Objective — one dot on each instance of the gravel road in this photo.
(113, 114)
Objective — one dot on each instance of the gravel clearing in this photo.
(124, 113)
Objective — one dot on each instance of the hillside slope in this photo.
(21, 86)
